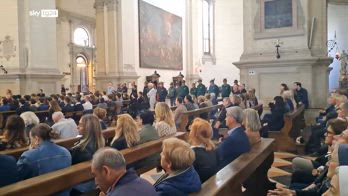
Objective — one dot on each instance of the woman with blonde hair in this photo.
(126, 133)
(206, 158)
(91, 140)
(252, 124)
(165, 124)
(289, 99)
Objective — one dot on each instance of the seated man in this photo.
(220, 122)
(68, 106)
(112, 177)
(180, 177)
(237, 142)
(8, 170)
(64, 128)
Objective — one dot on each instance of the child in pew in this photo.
(91, 140)
(180, 177)
(206, 162)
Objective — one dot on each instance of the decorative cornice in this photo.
(68, 16)
(338, 2)
(283, 62)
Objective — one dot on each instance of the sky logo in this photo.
(44, 13)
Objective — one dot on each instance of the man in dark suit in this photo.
(301, 94)
(236, 143)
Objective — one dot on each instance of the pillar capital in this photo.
(99, 5)
(111, 4)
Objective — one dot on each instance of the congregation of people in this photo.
(157, 112)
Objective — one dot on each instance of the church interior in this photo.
(174, 97)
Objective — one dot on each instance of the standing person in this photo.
(161, 92)
(213, 88)
(301, 94)
(110, 89)
(183, 90)
(172, 94)
(235, 88)
(146, 90)
(201, 89)
(152, 96)
(283, 87)
(225, 89)
(63, 90)
(193, 90)
(134, 92)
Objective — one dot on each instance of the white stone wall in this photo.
(337, 22)
(228, 42)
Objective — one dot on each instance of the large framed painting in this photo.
(160, 38)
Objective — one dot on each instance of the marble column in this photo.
(37, 65)
(191, 73)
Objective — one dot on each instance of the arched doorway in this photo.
(82, 66)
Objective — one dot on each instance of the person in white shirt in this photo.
(152, 96)
(87, 105)
(64, 128)
(110, 89)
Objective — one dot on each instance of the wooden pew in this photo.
(293, 123)
(67, 143)
(194, 113)
(249, 169)
(56, 181)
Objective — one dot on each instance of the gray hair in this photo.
(58, 114)
(251, 120)
(235, 112)
(30, 118)
(109, 157)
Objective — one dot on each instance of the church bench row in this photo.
(53, 182)
(293, 123)
(67, 143)
(249, 169)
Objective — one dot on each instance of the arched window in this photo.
(208, 31)
(81, 37)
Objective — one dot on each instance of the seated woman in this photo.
(43, 156)
(180, 109)
(289, 99)
(91, 140)
(203, 104)
(14, 136)
(180, 177)
(252, 124)
(8, 170)
(165, 124)
(251, 99)
(101, 114)
(275, 119)
(126, 133)
(206, 157)
(30, 120)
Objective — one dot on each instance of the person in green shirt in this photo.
(201, 89)
(183, 90)
(193, 90)
(172, 94)
(225, 89)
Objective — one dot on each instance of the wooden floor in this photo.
(280, 171)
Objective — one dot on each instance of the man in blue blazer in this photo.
(236, 143)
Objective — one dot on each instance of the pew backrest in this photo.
(53, 182)
(229, 179)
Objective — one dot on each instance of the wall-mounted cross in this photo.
(277, 45)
